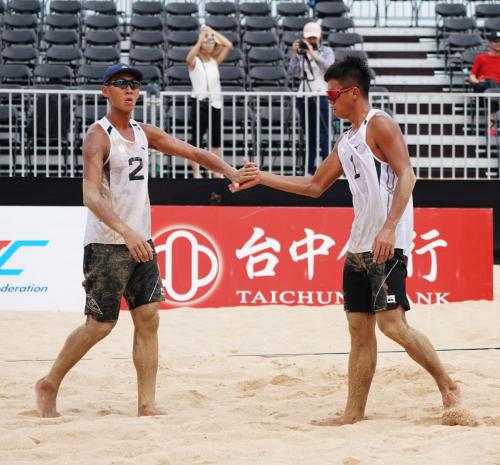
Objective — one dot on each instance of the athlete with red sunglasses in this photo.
(374, 158)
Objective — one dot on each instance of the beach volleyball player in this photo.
(374, 158)
(119, 256)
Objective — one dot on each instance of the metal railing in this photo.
(448, 137)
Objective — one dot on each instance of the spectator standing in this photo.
(203, 61)
(308, 62)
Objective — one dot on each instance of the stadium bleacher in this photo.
(66, 44)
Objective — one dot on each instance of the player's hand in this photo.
(138, 246)
(247, 173)
(383, 245)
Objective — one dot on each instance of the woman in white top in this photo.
(203, 61)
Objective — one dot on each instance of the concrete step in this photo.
(406, 63)
(422, 46)
(400, 32)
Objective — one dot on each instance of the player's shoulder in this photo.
(95, 130)
(382, 120)
(96, 137)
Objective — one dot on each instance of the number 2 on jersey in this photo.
(133, 174)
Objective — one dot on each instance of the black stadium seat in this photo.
(20, 54)
(100, 54)
(254, 8)
(344, 39)
(181, 8)
(220, 8)
(260, 23)
(222, 23)
(65, 7)
(182, 23)
(259, 39)
(294, 24)
(16, 21)
(147, 55)
(340, 24)
(89, 74)
(106, 7)
(101, 22)
(68, 54)
(487, 10)
(231, 75)
(178, 75)
(182, 38)
(147, 38)
(25, 6)
(15, 74)
(53, 74)
(111, 38)
(18, 37)
(57, 21)
(292, 9)
(177, 55)
(267, 76)
(328, 9)
(60, 37)
(265, 56)
(147, 8)
(146, 23)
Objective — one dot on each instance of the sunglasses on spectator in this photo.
(124, 83)
(334, 94)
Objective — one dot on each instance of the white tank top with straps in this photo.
(205, 79)
(124, 184)
(372, 183)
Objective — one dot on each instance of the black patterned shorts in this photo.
(110, 272)
(371, 287)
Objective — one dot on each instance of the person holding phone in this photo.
(203, 61)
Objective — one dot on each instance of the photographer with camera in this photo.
(308, 62)
(203, 62)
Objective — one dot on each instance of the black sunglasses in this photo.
(124, 83)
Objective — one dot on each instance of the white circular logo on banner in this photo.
(190, 264)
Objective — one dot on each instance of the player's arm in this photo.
(96, 148)
(387, 136)
(164, 143)
(311, 186)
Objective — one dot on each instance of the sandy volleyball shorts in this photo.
(110, 272)
(370, 287)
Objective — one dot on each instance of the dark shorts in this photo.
(203, 121)
(370, 287)
(110, 272)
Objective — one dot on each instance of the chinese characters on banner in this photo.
(233, 256)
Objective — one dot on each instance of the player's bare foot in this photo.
(337, 421)
(46, 396)
(150, 412)
(452, 397)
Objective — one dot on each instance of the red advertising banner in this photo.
(233, 256)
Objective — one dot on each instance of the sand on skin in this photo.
(224, 409)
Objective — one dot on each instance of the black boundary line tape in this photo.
(347, 353)
(466, 349)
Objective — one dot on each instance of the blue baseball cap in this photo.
(113, 70)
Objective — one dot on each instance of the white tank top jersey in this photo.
(372, 183)
(125, 184)
(205, 79)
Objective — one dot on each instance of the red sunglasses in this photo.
(334, 94)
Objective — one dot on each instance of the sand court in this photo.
(229, 402)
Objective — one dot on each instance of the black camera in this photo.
(303, 48)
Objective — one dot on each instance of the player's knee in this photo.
(98, 330)
(147, 322)
(394, 330)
